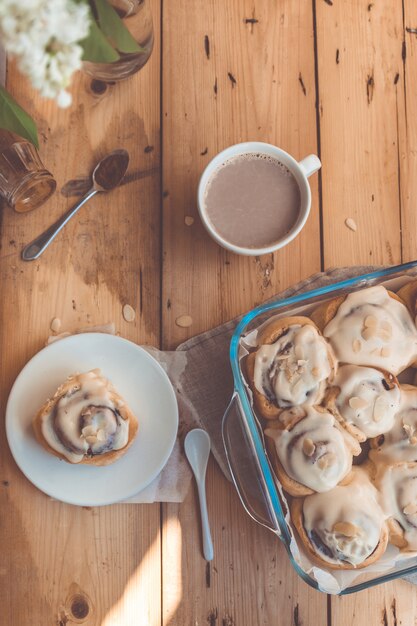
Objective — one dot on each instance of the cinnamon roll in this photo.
(364, 399)
(369, 327)
(312, 453)
(400, 442)
(290, 367)
(343, 528)
(398, 488)
(86, 421)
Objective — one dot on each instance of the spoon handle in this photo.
(205, 525)
(34, 249)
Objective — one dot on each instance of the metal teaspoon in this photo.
(107, 175)
(197, 450)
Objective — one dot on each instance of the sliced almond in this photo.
(356, 345)
(308, 447)
(101, 435)
(357, 403)
(87, 431)
(315, 372)
(380, 407)
(385, 352)
(347, 529)
(413, 440)
(386, 326)
(184, 321)
(410, 509)
(189, 220)
(368, 333)
(301, 362)
(351, 224)
(326, 460)
(91, 439)
(55, 325)
(408, 429)
(128, 313)
(370, 321)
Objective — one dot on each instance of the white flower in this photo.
(43, 36)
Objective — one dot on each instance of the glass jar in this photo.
(25, 183)
(137, 17)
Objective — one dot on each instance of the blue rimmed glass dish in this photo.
(242, 433)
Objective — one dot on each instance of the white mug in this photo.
(301, 170)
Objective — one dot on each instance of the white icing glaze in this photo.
(316, 452)
(85, 420)
(354, 504)
(371, 328)
(364, 401)
(293, 370)
(400, 443)
(398, 487)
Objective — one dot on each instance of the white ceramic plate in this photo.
(138, 378)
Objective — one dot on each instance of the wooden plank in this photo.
(407, 152)
(231, 72)
(359, 56)
(105, 560)
(361, 116)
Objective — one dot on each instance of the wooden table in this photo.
(334, 77)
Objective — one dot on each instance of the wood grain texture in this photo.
(66, 561)
(226, 80)
(359, 48)
(407, 152)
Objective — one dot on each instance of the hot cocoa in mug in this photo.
(254, 198)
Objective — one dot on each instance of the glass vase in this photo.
(137, 17)
(25, 183)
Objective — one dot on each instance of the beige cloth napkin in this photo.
(201, 375)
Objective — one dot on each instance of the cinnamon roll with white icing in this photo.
(369, 327)
(364, 399)
(398, 488)
(344, 528)
(86, 421)
(312, 453)
(400, 442)
(290, 367)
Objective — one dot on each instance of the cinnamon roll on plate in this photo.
(370, 327)
(344, 528)
(290, 367)
(364, 400)
(86, 421)
(312, 453)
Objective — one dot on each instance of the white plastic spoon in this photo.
(197, 450)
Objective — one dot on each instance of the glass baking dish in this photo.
(243, 438)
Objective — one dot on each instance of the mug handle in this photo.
(310, 164)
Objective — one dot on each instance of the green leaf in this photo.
(114, 29)
(15, 119)
(96, 48)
